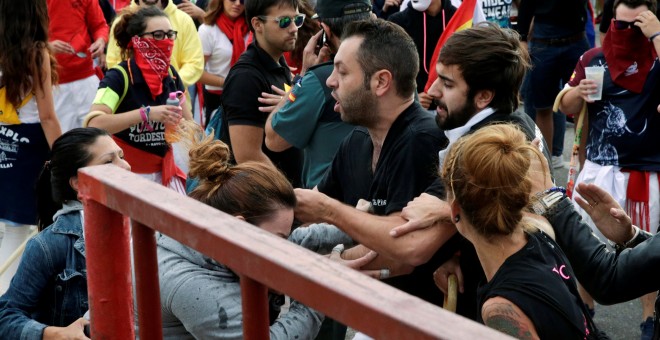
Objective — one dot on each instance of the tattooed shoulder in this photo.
(499, 313)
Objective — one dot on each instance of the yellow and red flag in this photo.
(468, 14)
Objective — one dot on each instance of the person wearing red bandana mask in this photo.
(131, 100)
(624, 126)
(223, 35)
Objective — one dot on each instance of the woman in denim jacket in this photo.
(48, 295)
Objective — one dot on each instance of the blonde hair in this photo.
(487, 173)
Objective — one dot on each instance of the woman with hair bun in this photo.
(530, 290)
(132, 100)
(201, 298)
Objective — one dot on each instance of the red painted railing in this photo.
(262, 260)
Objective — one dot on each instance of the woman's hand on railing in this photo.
(74, 331)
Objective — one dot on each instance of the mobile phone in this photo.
(321, 41)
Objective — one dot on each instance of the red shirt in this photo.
(79, 23)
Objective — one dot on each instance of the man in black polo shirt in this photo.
(470, 93)
(391, 156)
(274, 24)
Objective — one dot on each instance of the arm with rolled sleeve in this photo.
(609, 277)
(25, 291)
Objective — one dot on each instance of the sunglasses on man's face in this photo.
(284, 22)
(622, 25)
(160, 34)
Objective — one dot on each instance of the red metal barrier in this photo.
(146, 278)
(108, 274)
(262, 259)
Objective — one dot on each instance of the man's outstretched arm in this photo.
(373, 231)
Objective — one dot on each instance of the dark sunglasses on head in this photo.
(160, 34)
(622, 25)
(284, 22)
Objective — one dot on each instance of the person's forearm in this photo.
(273, 140)
(114, 123)
(571, 102)
(253, 156)
(414, 248)
(52, 129)
(394, 266)
(212, 79)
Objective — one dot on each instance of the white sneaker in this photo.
(557, 162)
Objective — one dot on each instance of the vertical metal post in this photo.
(108, 273)
(255, 309)
(146, 282)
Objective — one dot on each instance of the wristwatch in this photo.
(543, 201)
(639, 237)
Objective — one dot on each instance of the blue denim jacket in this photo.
(50, 285)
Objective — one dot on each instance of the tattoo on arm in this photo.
(504, 318)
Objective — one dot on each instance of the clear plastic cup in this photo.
(595, 73)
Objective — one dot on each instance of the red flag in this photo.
(466, 14)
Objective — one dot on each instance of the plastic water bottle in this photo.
(170, 129)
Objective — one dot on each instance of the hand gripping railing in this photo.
(262, 260)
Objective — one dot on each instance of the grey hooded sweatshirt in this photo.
(201, 299)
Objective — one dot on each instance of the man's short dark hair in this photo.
(651, 4)
(336, 25)
(386, 46)
(490, 58)
(255, 8)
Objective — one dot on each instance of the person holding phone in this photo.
(298, 119)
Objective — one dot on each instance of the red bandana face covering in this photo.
(153, 60)
(629, 56)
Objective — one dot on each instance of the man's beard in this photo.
(458, 117)
(360, 108)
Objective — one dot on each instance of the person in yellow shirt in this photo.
(187, 56)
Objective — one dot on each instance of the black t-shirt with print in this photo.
(138, 95)
(623, 125)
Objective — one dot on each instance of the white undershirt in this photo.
(216, 46)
